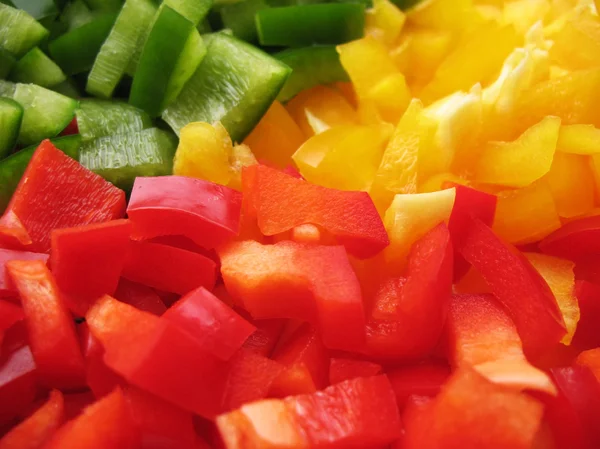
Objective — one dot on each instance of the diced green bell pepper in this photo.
(37, 68)
(11, 115)
(98, 118)
(19, 32)
(240, 18)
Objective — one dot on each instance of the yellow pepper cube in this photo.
(524, 13)
(577, 44)
(391, 97)
(579, 139)
(523, 161)
(385, 21)
(443, 14)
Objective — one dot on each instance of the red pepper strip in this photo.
(472, 413)
(416, 308)
(146, 350)
(250, 378)
(281, 202)
(518, 286)
(17, 383)
(345, 369)
(317, 282)
(210, 321)
(105, 424)
(414, 417)
(305, 361)
(574, 240)
(76, 402)
(87, 261)
(162, 425)
(481, 335)
(364, 411)
(57, 192)
(13, 234)
(468, 204)
(421, 380)
(574, 414)
(168, 268)
(587, 335)
(205, 212)
(9, 315)
(591, 359)
(50, 326)
(37, 428)
(140, 296)
(7, 288)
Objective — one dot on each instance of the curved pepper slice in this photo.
(482, 335)
(293, 280)
(588, 297)
(575, 239)
(205, 212)
(58, 192)
(518, 287)
(281, 202)
(37, 428)
(50, 328)
(7, 288)
(421, 380)
(140, 296)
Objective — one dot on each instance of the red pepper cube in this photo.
(17, 383)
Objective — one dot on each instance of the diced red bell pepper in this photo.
(364, 412)
(587, 268)
(213, 323)
(76, 402)
(317, 282)
(205, 212)
(587, 335)
(468, 204)
(481, 335)
(50, 327)
(87, 261)
(9, 315)
(574, 414)
(146, 350)
(37, 428)
(140, 296)
(161, 425)
(421, 380)
(574, 240)
(266, 336)
(472, 413)
(345, 369)
(105, 424)
(416, 308)
(517, 285)
(7, 288)
(72, 128)
(17, 383)
(57, 192)
(168, 268)
(591, 359)
(281, 202)
(250, 378)
(305, 364)
(13, 234)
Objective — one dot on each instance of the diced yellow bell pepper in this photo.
(477, 58)
(559, 275)
(241, 157)
(385, 21)
(204, 152)
(320, 108)
(526, 215)
(391, 96)
(410, 217)
(577, 44)
(368, 112)
(523, 161)
(443, 14)
(524, 13)
(276, 137)
(345, 157)
(439, 181)
(579, 139)
(571, 183)
(347, 90)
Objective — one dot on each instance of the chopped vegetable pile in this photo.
(281, 224)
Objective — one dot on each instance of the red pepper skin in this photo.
(9, 315)
(408, 316)
(7, 288)
(420, 380)
(472, 413)
(587, 335)
(518, 287)
(468, 204)
(205, 212)
(266, 336)
(13, 234)
(87, 261)
(345, 369)
(140, 296)
(168, 268)
(591, 359)
(574, 240)
(305, 364)
(573, 414)
(57, 192)
(37, 428)
(318, 282)
(105, 424)
(161, 425)
(210, 321)
(364, 410)
(71, 128)
(50, 327)
(17, 382)
(281, 202)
